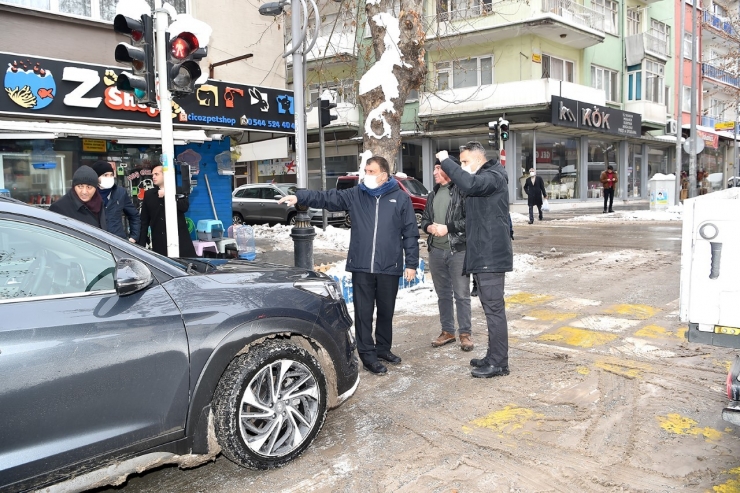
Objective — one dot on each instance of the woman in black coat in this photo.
(534, 187)
(152, 216)
(83, 201)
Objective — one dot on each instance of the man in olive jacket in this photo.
(489, 253)
(383, 231)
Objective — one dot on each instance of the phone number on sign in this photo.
(269, 124)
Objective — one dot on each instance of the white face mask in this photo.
(467, 168)
(531, 173)
(107, 182)
(370, 181)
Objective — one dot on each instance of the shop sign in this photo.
(536, 58)
(585, 116)
(710, 140)
(48, 88)
(724, 126)
(93, 145)
(543, 155)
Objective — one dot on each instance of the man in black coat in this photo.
(488, 254)
(82, 201)
(384, 230)
(117, 203)
(534, 187)
(152, 216)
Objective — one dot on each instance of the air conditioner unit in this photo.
(671, 127)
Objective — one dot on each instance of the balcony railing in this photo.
(720, 75)
(575, 13)
(709, 121)
(468, 12)
(717, 23)
(657, 42)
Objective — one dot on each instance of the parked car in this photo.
(115, 359)
(413, 187)
(257, 203)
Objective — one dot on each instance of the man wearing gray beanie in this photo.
(117, 203)
(82, 201)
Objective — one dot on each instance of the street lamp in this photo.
(302, 233)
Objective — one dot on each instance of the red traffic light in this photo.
(183, 45)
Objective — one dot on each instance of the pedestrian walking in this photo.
(534, 187)
(117, 204)
(488, 254)
(609, 181)
(83, 201)
(384, 231)
(444, 220)
(153, 217)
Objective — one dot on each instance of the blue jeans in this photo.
(446, 268)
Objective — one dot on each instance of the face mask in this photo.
(531, 173)
(107, 182)
(370, 181)
(468, 169)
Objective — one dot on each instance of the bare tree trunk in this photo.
(399, 67)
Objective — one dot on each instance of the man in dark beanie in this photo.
(116, 203)
(82, 202)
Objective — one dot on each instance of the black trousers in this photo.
(531, 212)
(369, 291)
(608, 195)
(491, 296)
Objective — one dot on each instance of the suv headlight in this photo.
(327, 288)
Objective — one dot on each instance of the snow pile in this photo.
(674, 213)
(519, 218)
(523, 263)
(279, 235)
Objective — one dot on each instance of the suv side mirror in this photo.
(131, 276)
(277, 196)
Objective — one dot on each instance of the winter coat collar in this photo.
(386, 187)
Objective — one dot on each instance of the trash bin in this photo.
(244, 236)
(662, 189)
(710, 268)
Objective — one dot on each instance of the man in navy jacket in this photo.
(383, 231)
(117, 204)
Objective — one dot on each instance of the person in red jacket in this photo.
(609, 181)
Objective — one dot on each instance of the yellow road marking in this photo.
(578, 337)
(681, 425)
(551, 315)
(641, 312)
(732, 485)
(507, 420)
(583, 370)
(658, 332)
(527, 299)
(623, 367)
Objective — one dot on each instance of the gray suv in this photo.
(115, 359)
(258, 203)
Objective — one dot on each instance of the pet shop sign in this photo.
(42, 88)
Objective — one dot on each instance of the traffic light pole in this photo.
(302, 233)
(168, 142)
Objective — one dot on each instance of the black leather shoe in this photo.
(389, 357)
(478, 362)
(376, 367)
(531, 222)
(489, 371)
(611, 211)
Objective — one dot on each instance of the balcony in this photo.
(338, 45)
(474, 22)
(653, 114)
(709, 121)
(718, 23)
(451, 103)
(657, 44)
(719, 75)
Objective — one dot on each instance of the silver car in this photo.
(258, 203)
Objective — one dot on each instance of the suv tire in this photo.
(269, 405)
(418, 215)
(237, 218)
(291, 219)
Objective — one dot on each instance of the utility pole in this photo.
(679, 104)
(322, 151)
(692, 136)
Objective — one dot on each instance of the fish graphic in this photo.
(46, 93)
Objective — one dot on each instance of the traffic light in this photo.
(141, 81)
(184, 52)
(493, 135)
(503, 126)
(325, 116)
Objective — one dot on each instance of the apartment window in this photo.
(471, 72)
(344, 90)
(661, 34)
(95, 9)
(654, 77)
(555, 68)
(687, 47)
(687, 99)
(719, 11)
(607, 80)
(461, 9)
(610, 9)
(717, 108)
(634, 22)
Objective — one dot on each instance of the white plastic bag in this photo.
(545, 205)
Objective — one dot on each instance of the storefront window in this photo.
(557, 164)
(411, 155)
(336, 166)
(601, 153)
(710, 167)
(34, 172)
(658, 162)
(524, 150)
(634, 171)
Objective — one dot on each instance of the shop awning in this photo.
(128, 135)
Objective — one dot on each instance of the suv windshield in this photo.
(415, 187)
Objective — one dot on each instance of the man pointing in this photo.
(383, 231)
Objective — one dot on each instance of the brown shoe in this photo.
(444, 338)
(465, 343)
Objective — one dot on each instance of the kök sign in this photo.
(585, 116)
(44, 87)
